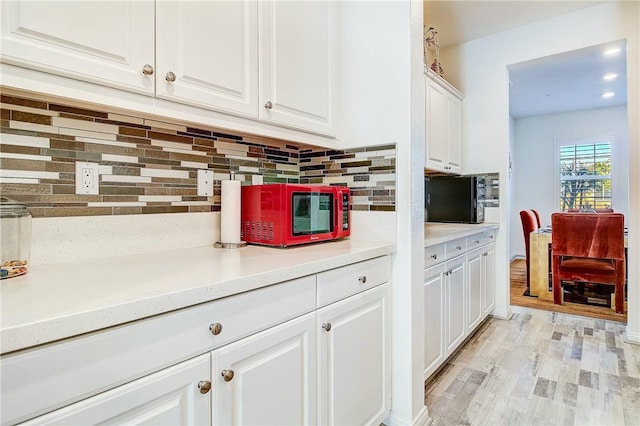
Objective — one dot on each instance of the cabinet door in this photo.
(102, 42)
(455, 302)
(268, 378)
(173, 396)
(298, 58)
(454, 131)
(434, 312)
(354, 367)
(212, 50)
(475, 273)
(488, 284)
(435, 132)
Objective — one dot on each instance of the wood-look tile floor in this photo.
(540, 368)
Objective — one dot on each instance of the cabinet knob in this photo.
(459, 248)
(204, 386)
(362, 279)
(477, 241)
(170, 77)
(485, 254)
(215, 328)
(434, 256)
(227, 375)
(326, 326)
(147, 69)
(268, 105)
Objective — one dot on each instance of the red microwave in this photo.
(289, 214)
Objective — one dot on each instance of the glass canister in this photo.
(15, 238)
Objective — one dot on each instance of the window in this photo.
(585, 176)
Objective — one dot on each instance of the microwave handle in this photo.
(339, 215)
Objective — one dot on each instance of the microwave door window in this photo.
(311, 213)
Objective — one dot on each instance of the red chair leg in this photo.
(619, 297)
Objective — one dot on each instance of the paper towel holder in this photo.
(240, 244)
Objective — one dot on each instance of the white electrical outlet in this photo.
(205, 183)
(86, 178)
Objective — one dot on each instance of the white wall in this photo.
(479, 69)
(535, 161)
(382, 90)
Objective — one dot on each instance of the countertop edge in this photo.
(437, 233)
(31, 334)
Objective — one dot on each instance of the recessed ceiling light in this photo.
(610, 76)
(608, 95)
(612, 51)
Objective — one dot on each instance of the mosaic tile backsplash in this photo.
(150, 166)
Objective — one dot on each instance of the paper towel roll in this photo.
(230, 212)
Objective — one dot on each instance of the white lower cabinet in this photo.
(434, 317)
(455, 304)
(475, 309)
(311, 350)
(268, 378)
(354, 366)
(458, 294)
(177, 395)
(488, 278)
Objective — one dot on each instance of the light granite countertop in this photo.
(436, 233)
(59, 301)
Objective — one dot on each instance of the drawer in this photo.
(455, 248)
(433, 255)
(342, 282)
(479, 240)
(67, 371)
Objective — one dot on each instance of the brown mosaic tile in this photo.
(6, 99)
(30, 118)
(275, 160)
(77, 111)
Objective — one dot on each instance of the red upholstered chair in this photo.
(588, 247)
(529, 224)
(537, 215)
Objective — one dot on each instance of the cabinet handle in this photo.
(362, 279)
(147, 69)
(477, 241)
(434, 256)
(268, 105)
(227, 375)
(326, 326)
(491, 236)
(459, 248)
(215, 328)
(204, 386)
(170, 77)
(485, 254)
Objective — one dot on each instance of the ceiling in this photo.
(569, 81)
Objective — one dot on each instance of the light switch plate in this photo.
(205, 183)
(87, 178)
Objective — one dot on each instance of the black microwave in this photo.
(454, 199)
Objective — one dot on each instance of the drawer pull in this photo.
(147, 69)
(215, 328)
(491, 236)
(268, 105)
(434, 256)
(477, 241)
(485, 254)
(204, 386)
(326, 326)
(363, 279)
(227, 375)
(170, 77)
(459, 248)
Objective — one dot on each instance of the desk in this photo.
(539, 258)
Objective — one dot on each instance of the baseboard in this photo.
(633, 338)
(422, 419)
(504, 315)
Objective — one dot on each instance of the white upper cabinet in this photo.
(102, 42)
(269, 61)
(207, 54)
(298, 72)
(443, 125)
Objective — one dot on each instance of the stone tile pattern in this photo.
(540, 368)
(150, 165)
